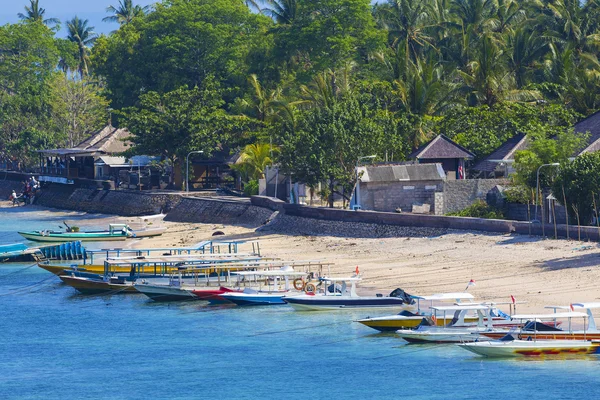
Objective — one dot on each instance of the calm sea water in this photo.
(57, 344)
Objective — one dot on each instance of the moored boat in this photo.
(115, 232)
(336, 297)
(99, 285)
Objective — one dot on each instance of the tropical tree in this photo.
(80, 33)
(125, 12)
(282, 11)
(34, 12)
(255, 158)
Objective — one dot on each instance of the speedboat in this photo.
(408, 320)
(336, 297)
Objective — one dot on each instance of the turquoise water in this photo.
(56, 344)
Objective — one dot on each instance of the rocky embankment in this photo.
(291, 225)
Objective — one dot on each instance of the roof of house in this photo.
(109, 140)
(119, 161)
(590, 125)
(442, 147)
(403, 173)
(506, 152)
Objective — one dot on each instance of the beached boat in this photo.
(409, 320)
(336, 297)
(115, 232)
(272, 294)
(168, 292)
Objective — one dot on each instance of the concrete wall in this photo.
(388, 196)
(459, 194)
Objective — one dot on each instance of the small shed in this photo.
(400, 186)
(446, 152)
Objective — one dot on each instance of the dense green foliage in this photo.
(479, 209)
(325, 81)
(578, 181)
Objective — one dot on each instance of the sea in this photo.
(58, 344)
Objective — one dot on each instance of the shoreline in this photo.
(537, 271)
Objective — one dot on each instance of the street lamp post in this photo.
(357, 186)
(187, 169)
(537, 185)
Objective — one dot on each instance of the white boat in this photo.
(456, 331)
(336, 297)
(272, 294)
(532, 346)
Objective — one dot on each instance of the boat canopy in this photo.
(446, 296)
(467, 307)
(587, 305)
(572, 314)
(342, 279)
(271, 273)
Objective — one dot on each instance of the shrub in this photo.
(251, 188)
(519, 194)
(479, 209)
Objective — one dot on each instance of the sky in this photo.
(93, 10)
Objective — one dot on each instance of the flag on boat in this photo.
(356, 271)
(572, 308)
(471, 283)
(513, 299)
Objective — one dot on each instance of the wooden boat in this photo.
(527, 348)
(336, 297)
(163, 292)
(115, 232)
(508, 346)
(550, 331)
(273, 294)
(148, 232)
(18, 252)
(99, 285)
(213, 295)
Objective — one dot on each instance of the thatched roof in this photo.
(590, 125)
(504, 153)
(442, 147)
(109, 140)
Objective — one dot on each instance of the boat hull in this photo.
(524, 348)
(213, 295)
(259, 299)
(450, 335)
(161, 293)
(323, 303)
(394, 322)
(93, 286)
(549, 335)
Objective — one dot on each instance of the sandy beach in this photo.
(536, 271)
(533, 270)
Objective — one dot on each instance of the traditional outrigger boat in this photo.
(273, 294)
(99, 284)
(456, 331)
(508, 346)
(115, 232)
(336, 297)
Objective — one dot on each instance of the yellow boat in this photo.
(407, 320)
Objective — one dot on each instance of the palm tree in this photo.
(282, 11)
(254, 159)
(528, 50)
(35, 13)
(80, 33)
(125, 12)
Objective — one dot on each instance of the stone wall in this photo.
(119, 202)
(459, 194)
(215, 211)
(7, 186)
(518, 212)
(389, 196)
